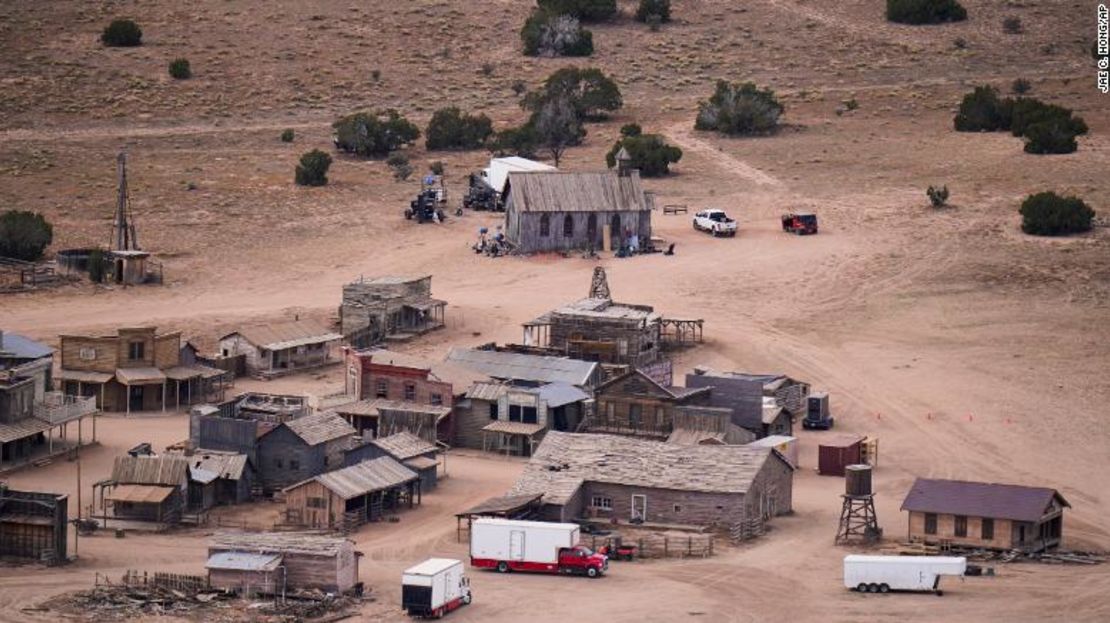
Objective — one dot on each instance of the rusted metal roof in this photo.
(283, 335)
(320, 427)
(374, 475)
(980, 499)
(513, 428)
(138, 376)
(561, 191)
(170, 470)
(140, 494)
(404, 445)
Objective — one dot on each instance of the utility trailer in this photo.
(434, 587)
(545, 547)
(882, 574)
(817, 412)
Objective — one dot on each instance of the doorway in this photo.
(615, 232)
(516, 545)
(135, 397)
(639, 508)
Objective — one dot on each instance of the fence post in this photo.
(666, 548)
(689, 546)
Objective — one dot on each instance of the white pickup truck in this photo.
(715, 222)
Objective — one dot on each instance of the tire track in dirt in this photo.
(681, 134)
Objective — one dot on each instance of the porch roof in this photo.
(140, 376)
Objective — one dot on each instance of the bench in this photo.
(675, 209)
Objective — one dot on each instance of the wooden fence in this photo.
(168, 581)
(747, 529)
(660, 545)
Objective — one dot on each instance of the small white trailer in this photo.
(434, 587)
(882, 574)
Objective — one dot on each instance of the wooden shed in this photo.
(311, 561)
(302, 448)
(282, 348)
(837, 452)
(404, 447)
(349, 497)
(245, 573)
(33, 526)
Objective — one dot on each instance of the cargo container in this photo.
(434, 587)
(836, 453)
(511, 545)
(882, 574)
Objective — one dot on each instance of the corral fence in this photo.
(659, 545)
(167, 581)
(747, 529)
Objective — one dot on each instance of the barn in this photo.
(625, 479)
(351, 496)
(558, 211)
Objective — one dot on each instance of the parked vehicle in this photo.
(511, 545)
(817, 412)
(882, 574)
(802, 224)
(434, 587)
(715, 222)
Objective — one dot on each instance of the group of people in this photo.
(492, 246)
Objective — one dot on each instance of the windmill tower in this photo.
(857, 515)
(599, 287)
(123, 227)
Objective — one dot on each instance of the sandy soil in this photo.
(969, 349)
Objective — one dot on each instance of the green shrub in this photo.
(399, 163)
(649, 153)
(180, 70)
(551, 34)
(981, 111)
(659, 8)
(924, 11)
(592, 94)
(1021, 86)
(1026, 112)
(313, 169)
(557, 126)
(739, 109)
(287, 135)
(938, 197)
(1053, 136)
(374, 135)
(1049, 214)
(1012, 25)
(24, 235)
(585, 10)
(521, 141)
(450, 128)
(122, 33)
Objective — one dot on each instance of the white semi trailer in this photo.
(882, 574)
(434, 587)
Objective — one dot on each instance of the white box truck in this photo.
(881, 574)
(434, 587)
(512, 545)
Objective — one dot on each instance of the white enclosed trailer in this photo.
(880, 574)
(434, 587)
(520, 545)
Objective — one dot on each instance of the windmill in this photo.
(123, 227)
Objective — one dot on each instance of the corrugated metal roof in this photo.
(243, 561)
(403, 445)
(980, 499)
(513, 428)
(320, 427)
(18, 347)
(524, 367)
(282, 335)
(166, 469)
(459, 376)
(559, 394)
(490, 392)
(374, 475)
(140, 494)
(225, 465)
(564, 461)
(561, 191)
(278, 543)
(135, 376)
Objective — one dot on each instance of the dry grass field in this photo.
(970, 349)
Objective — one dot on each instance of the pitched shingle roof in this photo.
(362, 478)
(320, 427)
(561, 191)
(404, 445)
(564, 461)
(980, 499)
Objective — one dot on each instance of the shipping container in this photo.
(434, 587)
(882, 574)
(836, 453)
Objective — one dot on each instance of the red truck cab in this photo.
(582, 560)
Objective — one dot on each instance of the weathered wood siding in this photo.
(469, 422)
(167, 350)
(526, 231)
(772, 490)
(220, 433)
(299, 509)
(245, 582)
(618, 340)
(103, 350)
(327, 572)
(284, 459)
(695, 508)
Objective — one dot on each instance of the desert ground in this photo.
(968, 348)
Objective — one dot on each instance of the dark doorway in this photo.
(135, 397)
(615, 232)
(591, 229)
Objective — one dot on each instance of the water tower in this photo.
(857, 516)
